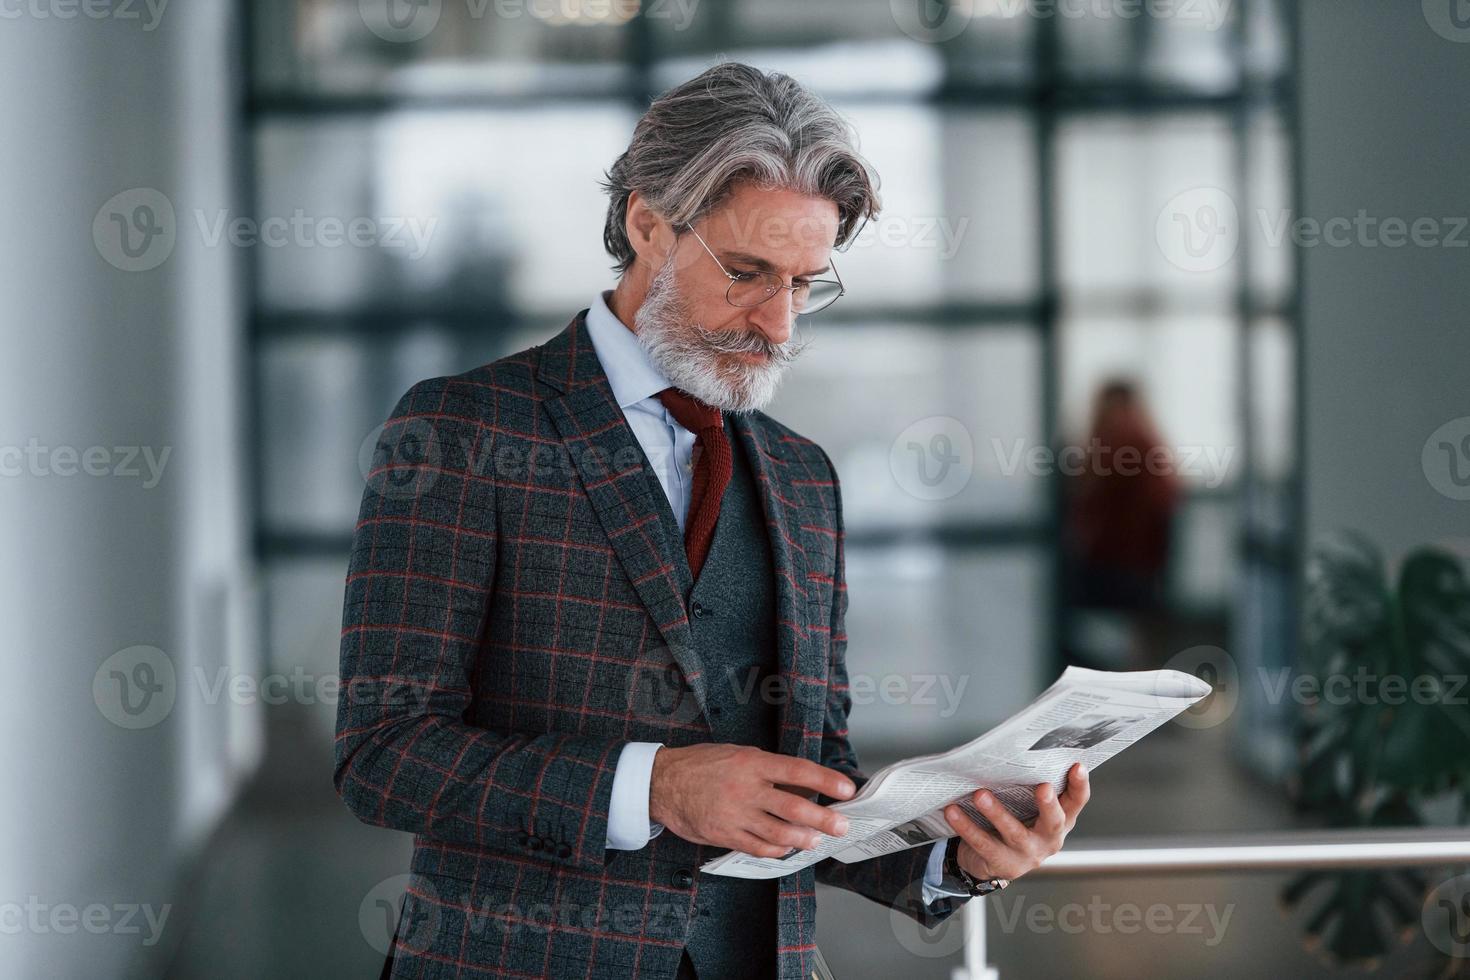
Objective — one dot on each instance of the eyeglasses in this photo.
(748, 289)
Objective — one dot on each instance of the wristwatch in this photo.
(957, 878)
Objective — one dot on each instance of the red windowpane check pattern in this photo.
(509, 591)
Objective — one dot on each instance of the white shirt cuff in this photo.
(934, 874)
(628, 826)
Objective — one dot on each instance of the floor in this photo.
(294, 886)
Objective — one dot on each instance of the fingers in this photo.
(1011, 830)
(990, 848)
(803, 812)
(1051, 819)
(804, 772)
(1077, 793)
(751, 844)
(789, 835)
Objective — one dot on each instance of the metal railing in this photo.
(1419, 847)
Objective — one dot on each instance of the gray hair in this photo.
(729, 124)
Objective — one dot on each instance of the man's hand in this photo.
(740, 797)
(1014, 848)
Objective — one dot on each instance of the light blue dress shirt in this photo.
(636, 382)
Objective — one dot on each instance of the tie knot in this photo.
(693, 414)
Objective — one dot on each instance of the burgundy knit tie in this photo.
(712, 463)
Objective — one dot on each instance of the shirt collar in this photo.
(630, 371)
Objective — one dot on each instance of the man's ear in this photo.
(650, 235)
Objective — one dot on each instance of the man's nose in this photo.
(774, 317)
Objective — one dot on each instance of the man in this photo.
(593, 633)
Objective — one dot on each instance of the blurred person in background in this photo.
(1120, 516)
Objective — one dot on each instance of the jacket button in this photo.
(523, 839)
(563, 851)
(537, 843)
(698, 611)
(682, 878)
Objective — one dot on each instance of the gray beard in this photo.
(691, 359)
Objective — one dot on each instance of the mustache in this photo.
(751, 342)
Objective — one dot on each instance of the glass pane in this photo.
(1264, 637)
(323, 397)
(833, 44)
(1148, 203)
(1268, 225)
(385, 45)
(1267, 39)
(834, 70)
(1272, 399)
(461, 208)
(1202, 569)
(866, 393)
(1272, 402)
(318, 407)
(931, 675)
(996, 45)
(1189, 46)
(959, 213)
(988, 172)
(1175, 45)
(305, 600)
(1185, 369)
(1094, 41)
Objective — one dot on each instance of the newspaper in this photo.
(1087, 716)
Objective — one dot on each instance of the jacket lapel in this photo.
(608, 460)
(781, 504)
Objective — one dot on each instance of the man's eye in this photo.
(741, 274)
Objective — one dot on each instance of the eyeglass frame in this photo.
(739, 277)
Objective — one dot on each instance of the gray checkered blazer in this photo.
(512, 620)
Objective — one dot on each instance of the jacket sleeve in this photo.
(419, 580)
(895, 880)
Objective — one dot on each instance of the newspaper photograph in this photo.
(1087, 716)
